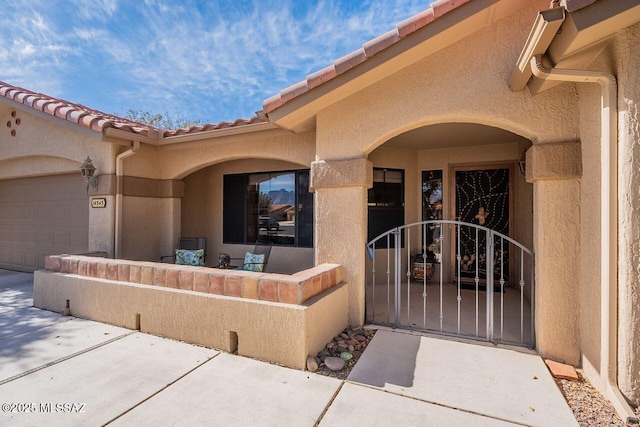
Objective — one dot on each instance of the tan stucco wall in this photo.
(281, 333)
(470, 87)
(340, 215)
(556, 204)
(45, 145)
(147, 227)
(175, 161)
(58, 147)
(202, 214)
(627, 52)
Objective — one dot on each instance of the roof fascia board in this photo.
(50, 118)
(461, 22)
(217, 133)
(112, 132)
(591, 24)
(544, 29)
(234, 138)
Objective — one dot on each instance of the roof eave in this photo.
(583, 34)
(217, 133)
(295, 108)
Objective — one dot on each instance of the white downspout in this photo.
(608, 221)
(118, 205)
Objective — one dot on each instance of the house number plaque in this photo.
(99, 202)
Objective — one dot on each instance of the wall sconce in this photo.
(87, 170)
(522, 163)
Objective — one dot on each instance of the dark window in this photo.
(385, 203)
(273, 207)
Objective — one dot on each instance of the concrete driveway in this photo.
(57, 370)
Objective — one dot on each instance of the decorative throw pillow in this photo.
(253, 262)
(190, 257)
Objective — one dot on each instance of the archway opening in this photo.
(463, 172)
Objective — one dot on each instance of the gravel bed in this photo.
(333, 350)
(589, 406)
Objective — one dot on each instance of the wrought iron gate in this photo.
(427, 291)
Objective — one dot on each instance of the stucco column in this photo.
(554, 170)
(340, 209)
(102, 217)
(629, 215)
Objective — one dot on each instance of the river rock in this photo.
(312, 364)
(361, 338)
(346, 356)
(334, 363)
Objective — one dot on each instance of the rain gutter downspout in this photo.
(609, 222)
(118, 205)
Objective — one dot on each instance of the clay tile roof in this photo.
(368, 50)
(99, 121)
(216, 126)
(76, 113)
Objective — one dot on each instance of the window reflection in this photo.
(271, 215)
(432, 210)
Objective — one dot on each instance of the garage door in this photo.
(42, 216)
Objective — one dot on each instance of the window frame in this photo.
(231, 228)
(383, 209)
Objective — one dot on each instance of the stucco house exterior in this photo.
(467, 85)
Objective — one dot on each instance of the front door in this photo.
(483, 196)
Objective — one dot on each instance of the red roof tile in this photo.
(369, 49)
(76, 113)
(99, 121)
(221, 125)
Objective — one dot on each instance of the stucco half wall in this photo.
(275, 332)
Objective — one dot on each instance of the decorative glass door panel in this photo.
(483, 197)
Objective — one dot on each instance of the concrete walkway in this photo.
(66, 371)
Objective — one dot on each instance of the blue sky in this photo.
(197, 60)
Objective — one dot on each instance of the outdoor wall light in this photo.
(522, 163)
(87, 170)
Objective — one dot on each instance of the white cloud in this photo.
(220, 59)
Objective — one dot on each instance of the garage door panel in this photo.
(42, 216)
(78, 216)
(77, 238)
(45, 239)
(31, 238)
(31, 261)
(16, 237)
(60, 239)
(16, 213)
(17, 258)
(60, 214)
(30, 213)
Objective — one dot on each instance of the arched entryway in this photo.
(461, 172)
(237, 204)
